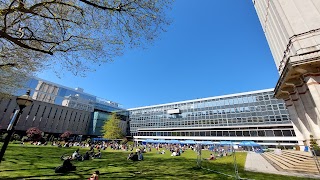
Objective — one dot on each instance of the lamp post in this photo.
(22, 101)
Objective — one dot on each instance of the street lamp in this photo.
(22, 101)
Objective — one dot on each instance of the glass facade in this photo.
(46, 91)
(100, 117)
(222, 116)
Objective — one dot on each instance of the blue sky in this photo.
(211, 48)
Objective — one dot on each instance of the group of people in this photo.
(89, 154)
(137, 156)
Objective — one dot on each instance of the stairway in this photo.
(292, 161)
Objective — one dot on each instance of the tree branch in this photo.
(119, 8)
(8, 64)
(17, 42)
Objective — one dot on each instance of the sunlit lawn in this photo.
(38, 162)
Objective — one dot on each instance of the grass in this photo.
(38, 162)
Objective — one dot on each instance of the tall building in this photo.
(57, 109)
(255, 115)
(292, 29)
(45, 92)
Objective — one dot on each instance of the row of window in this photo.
(250, 98)
(221, 110)
(134, 125)
(243, 133)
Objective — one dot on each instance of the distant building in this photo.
(58, 108)
(255, 115)
(292, 29)
(45, 92)
(77, 102)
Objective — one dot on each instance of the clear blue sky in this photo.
(213, 47)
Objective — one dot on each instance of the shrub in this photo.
(313, 144)
(24, 139)
(3, 136)
(34, 134)
(65, 136)
(16, 137)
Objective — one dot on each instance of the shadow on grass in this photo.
(114, 164)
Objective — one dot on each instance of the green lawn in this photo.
(38, 162)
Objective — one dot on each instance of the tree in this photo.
(34, 134)
(111, 129)
(313, 144)
(66, 135)
(73, 34)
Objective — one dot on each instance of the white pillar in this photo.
(310, 111)
(301, 128)
(314, 90)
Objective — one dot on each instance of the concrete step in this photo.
(288, 163)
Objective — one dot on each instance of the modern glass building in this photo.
(58, 104)
(255, 115)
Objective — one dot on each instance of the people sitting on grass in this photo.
(98, 154)
(174, 153)
(76, 154)
(130, 156)
(212, 157)
(66, 166)
(133, 157)
(140, 156)
(86, 156)
(163, 151)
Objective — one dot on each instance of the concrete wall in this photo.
(49, 118)
(290, 26)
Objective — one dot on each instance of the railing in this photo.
(315, 158)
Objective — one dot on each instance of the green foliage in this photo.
(313, 143)
(16, 137)
(88, 140)
(74, 35)
(3, 136)
(111, 129)
(24, 139)
(124, 140)
(130, 143)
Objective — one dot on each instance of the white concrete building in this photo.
(292, 29)
(254, 115)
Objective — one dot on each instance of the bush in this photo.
(24, 139)
(65, 136)
(34, 134)
(313, 144)
(16, 137)
(3, 136)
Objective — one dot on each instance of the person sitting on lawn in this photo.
(98, 154)
(86, 156)
(76, 154)
(174, 153)
(94, 176)
(163, 151)
(140, 156)
(66, 166)
(212, 157)
(130, 156)
(135, 157)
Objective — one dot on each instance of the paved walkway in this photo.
(255, 162)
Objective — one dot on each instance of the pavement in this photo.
(255, 162)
